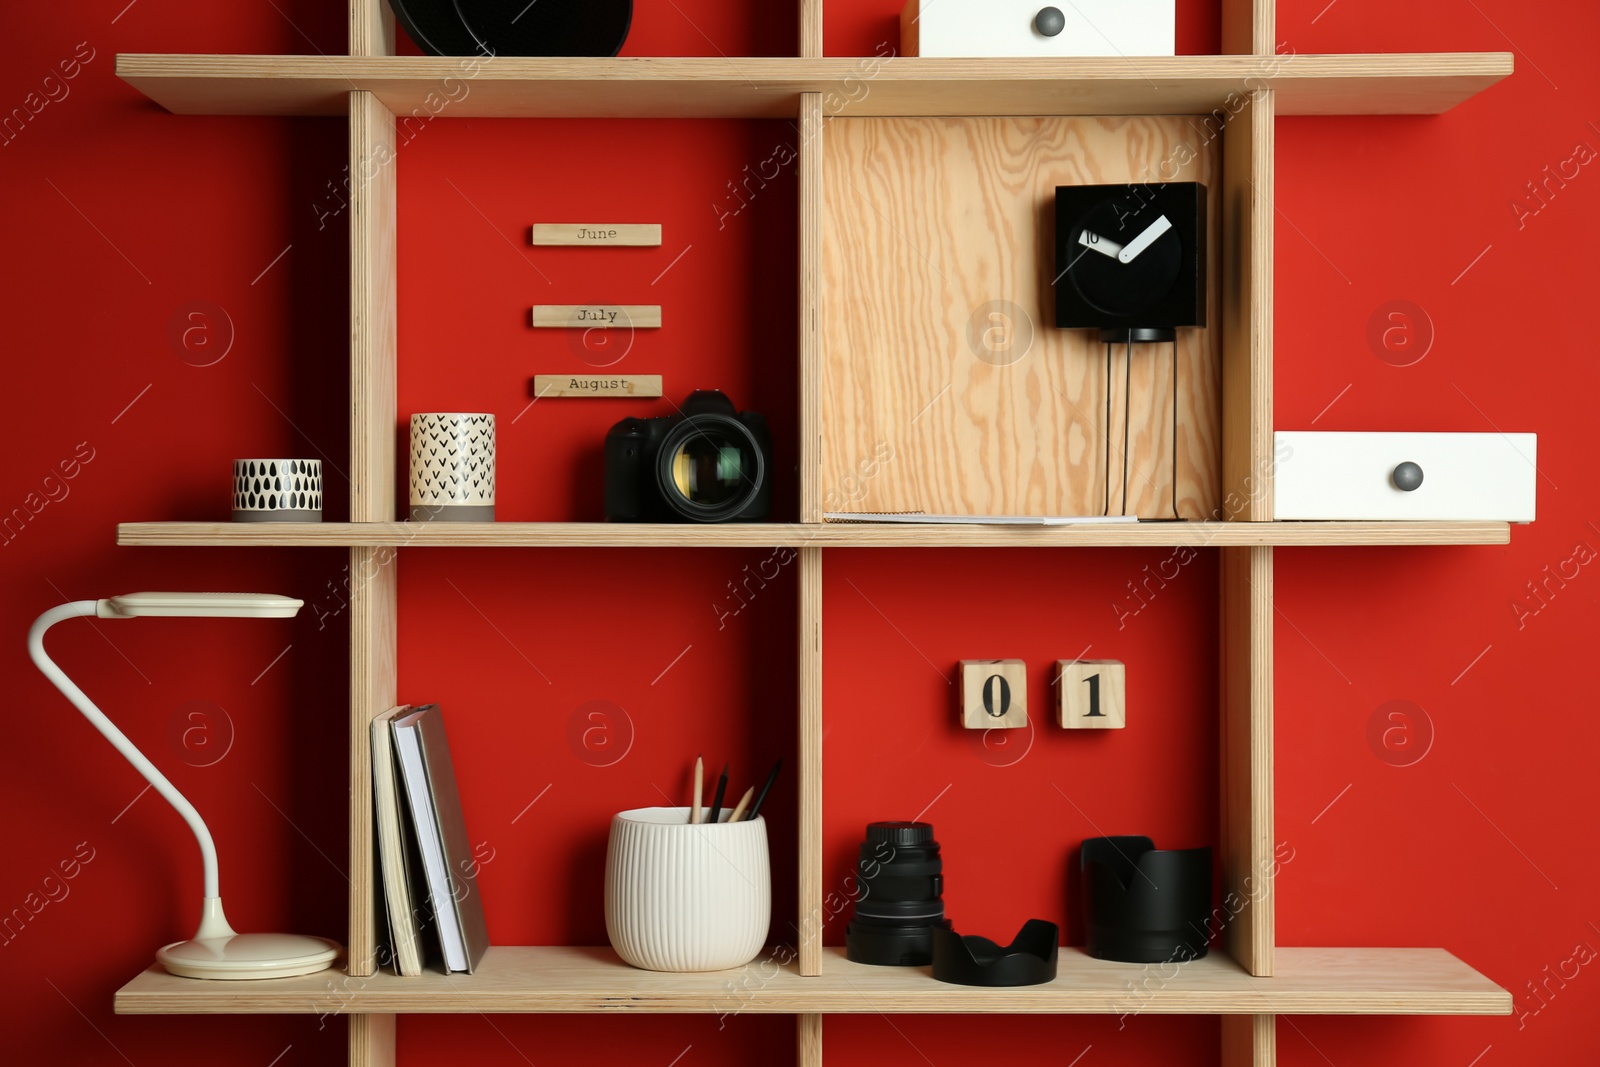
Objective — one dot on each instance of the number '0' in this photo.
(996, 690)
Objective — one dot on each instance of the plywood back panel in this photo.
(938, 258)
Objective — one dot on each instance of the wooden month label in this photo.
(604, 234)
(645, 385)
(597, 316)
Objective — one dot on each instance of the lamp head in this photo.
(199, 605)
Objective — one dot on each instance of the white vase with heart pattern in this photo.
(452, 467)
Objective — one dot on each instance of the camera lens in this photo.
(709, 468)
(902, 885)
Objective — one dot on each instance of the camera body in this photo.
(711, 463)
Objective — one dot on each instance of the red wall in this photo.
(122, 221)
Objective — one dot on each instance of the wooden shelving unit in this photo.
(803, 535)
(766, 88)
(1248, 980)
(1311, 981)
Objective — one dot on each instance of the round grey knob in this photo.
(1050, 21)
(1407, 477)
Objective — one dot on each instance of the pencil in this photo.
(699, 776)
(716, 799)
(772, 776)
(743, 803)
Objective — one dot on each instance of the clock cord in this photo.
(1127, 413)
(1107, 432)
(1175, 514)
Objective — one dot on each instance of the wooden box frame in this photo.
(1251, 980)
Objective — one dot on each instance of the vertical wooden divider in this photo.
(372, 412)
(810, 558)
(808, 1043)
(810, 29)
(1248, 27)
(371, 28)
(1247, 838)
(1247, 256)
(1249, 1040)
(808, 1040)
(812, 130)
(371, 578)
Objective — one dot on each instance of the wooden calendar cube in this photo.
(1092, 694)
(994, 694)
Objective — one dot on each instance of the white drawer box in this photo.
(1465, 476)
(1009, 28)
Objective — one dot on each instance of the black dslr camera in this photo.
(712, 463)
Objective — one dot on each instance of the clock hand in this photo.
(1104, 245)
(1131, 250)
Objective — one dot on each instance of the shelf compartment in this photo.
(639, 87)
(806, 535)
(1319, 981)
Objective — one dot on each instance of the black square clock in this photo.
(1130, 257)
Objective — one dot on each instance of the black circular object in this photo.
(891, 946)
(1143, 904)
(709, 467)
(547, 27)
(435, 27)
(901, 885)
(1030, 959)
(901, 834)
(1407, 477)
(1050, 21)
(899, 911)
(1115, 287)
(516, 27)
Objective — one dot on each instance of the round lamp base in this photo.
(244, 956)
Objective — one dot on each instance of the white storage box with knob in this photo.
(1406, 476)
(1009, 28)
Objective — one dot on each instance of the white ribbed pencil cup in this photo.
(687, 897)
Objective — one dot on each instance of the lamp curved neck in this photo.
(119, 740)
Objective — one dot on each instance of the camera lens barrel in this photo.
(901, 879)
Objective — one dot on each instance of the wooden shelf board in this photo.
(823, 535)
(1322, 981)
(643, 87)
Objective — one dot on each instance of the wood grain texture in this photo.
(808, 1041)
(596, 316)
(596, 385)
(1249, 27)
(371, 28)
(811, 154)
(373, 673)
(596, 234)
(769, 535)
(1247, 294)
(1320, 981)
(810, 757)
(649, 87)
(373, 325)
(1247, 855)
(1250, 1041)
(940, 232)
(811, 28)
(372, 1041)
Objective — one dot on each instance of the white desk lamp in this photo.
(215, 951)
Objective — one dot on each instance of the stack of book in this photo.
(429, 883)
